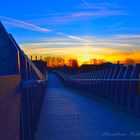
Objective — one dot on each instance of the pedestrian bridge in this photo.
(68, 114)
(35, 105)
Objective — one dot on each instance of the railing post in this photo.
(133, 99)
(126, 86)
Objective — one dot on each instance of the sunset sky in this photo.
(82, 29)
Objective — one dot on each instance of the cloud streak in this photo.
(99, 13)
(22, 24)
(69, 17)
(111, 48)
(117, 42)
(85, 3)
(89, 10)
(99, 6)
(32, 27)
(98, 53)
(73, 37)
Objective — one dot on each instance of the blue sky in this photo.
(51, 26)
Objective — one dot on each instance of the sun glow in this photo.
(84, 55)
(84, 58)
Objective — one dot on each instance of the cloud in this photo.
(69, 17)
(85, 3)
(22, 24)
(98, 53)
(99, 13)
(116, 42)
(116, 46)
(111, 48)
(32, 27)
(73, 37)
(89, 10)
(99, 6)
(126, 36)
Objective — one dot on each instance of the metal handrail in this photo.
(123, 93)
(119, 80)
(68, 78)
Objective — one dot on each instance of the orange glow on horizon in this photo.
(85, 54)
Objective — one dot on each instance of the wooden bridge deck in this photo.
(67, 115)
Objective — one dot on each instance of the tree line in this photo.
(73, 62)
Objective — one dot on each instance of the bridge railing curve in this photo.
(22, 88)
(118, 85)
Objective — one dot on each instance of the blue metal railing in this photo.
(119, 85)
(22, 89)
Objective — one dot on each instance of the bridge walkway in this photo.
(67, 115)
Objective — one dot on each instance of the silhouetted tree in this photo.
(72, 62)
(54, 61)
(95, 61)
(129, 61)
(101, 61)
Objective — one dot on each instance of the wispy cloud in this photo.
(99, 6)
(23, 24)
(128, 37)
(111, 47)
(73, 37)
(85, 3)
(101, 9)
(69, 17)
(32, 27)
(117, 42)
(82, 12)
(119, 46)
(98, 53)
(99, 13)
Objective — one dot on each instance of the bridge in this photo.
(35, 105)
